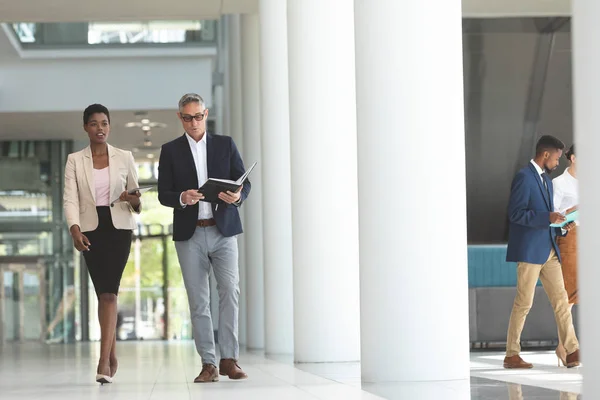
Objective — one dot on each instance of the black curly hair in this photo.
(570, 153)
(95, 109)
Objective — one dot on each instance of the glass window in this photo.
(25, 243)
(34, 35)
(141, 32)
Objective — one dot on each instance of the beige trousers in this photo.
(551, 275)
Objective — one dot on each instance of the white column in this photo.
(226, 49)
(255, 295)
(412, 191)
(137, 260)
(216, 108)
(586, 64)
(324, 181)
(235, 130)
(277, 199)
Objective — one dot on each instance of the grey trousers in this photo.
(208, 247)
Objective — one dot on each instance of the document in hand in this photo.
(213, 186)
(571, 217)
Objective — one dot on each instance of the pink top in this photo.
(102, 183)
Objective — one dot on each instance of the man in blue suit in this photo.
(532, 244)
(205, 233)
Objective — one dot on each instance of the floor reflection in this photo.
(515, 392)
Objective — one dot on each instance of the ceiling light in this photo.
(146, 128)
(150, 155)
(145, 124)
(147, 142)
(145, 121)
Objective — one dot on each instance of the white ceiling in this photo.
(69, 125)
(137, 10)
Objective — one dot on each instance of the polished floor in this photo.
(159, 370)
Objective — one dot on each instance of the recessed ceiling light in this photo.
(150, 155)
(145, 121)
(146, 128)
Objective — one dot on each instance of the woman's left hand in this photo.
(132, 198)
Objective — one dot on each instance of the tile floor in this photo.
(161, 370)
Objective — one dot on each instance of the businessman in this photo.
(205, 233)
(532, 245)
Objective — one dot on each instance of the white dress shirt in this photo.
(199, 153)
(539, 171)
(566, 192)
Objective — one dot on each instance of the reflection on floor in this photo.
(161, 370)
(545, 374)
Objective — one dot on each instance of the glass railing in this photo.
(24, 206)
(112, 34)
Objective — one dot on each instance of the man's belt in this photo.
(203, 223)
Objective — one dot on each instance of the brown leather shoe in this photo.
(209, 373)
(516, 362)
(573, 359)
(229, 367)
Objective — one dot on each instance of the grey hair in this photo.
(191, 98)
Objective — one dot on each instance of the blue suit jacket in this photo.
(530, 237)
(177, 173)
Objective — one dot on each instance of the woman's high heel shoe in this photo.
(102, 379)
(561, 355)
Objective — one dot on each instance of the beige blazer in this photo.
(80, 193)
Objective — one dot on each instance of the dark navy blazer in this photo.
(530, 237)
(177, 173)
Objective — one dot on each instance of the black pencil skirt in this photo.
(108, 254)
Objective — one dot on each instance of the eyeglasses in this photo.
(197, 117)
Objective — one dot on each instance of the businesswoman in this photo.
(566, 200)
(95, 177)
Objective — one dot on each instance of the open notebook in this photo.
(213, 186)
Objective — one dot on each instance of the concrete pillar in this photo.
(255, 294)
(235, 130)
(586, 63)
(324, 180)
(277, 195)
(412, 191)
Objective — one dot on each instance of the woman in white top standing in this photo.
(566, 200)
(95, 178)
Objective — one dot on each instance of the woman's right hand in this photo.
(80, 241)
